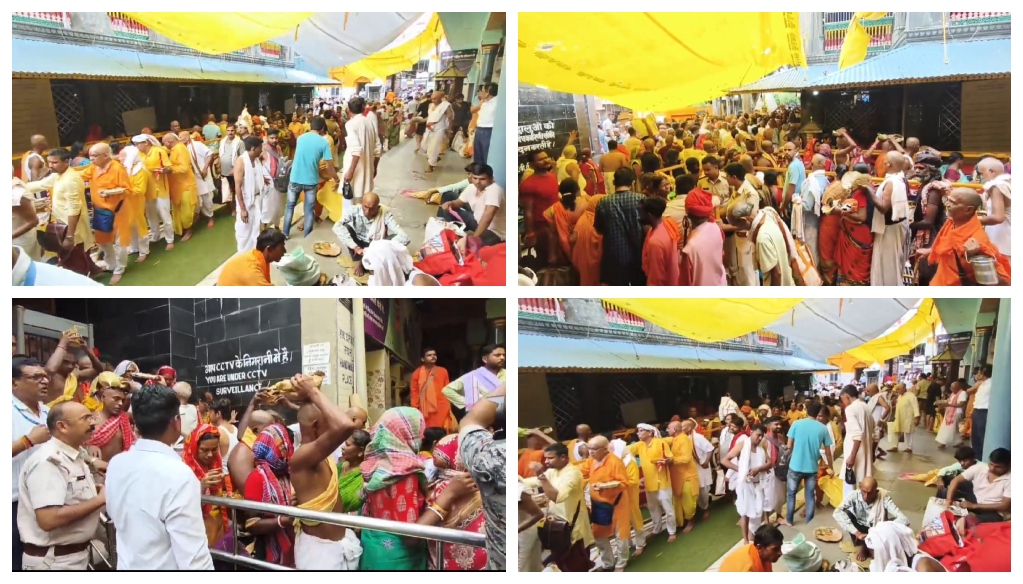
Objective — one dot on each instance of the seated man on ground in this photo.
(864, 508)
(441, 195)
(965, 458)
(252, 268)
(480, 206)
(991, 498)
(757, 556)
(365, 223)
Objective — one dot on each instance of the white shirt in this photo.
(189, 418)
(607, 124)
(983, 397)
(29, 273)
(154, 501)
(22, 422)
(493, 195)
(486, 113)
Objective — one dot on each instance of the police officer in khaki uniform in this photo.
(59, 507)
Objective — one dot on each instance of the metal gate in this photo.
(67, 106)
(124, 98)
(625, 389)
(565, 402)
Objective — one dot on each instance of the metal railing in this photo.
(440, 535)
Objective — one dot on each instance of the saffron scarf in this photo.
(392, 452)
(271, 452)
(951, 242)
(190, 457)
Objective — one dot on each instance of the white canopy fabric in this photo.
(334, 39)
(823, 327)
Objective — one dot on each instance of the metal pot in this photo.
(984, 270)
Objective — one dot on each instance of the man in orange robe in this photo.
(607, 486)
(660, 250)
(757, 556)
(252, 268)
(428, 383)
(536, 441)
(961, 237)
(112, 215)
(685, 480)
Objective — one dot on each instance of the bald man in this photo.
(963, 237)
(324, 429)
(608, 483)
(685, 480)
(33, 162)
(112, 219)
(864, 508)
(437, 122)
(240, 461)
(358, 416)
(583, 434)
(806, 224)
(201, 158)
(365, 223)
(181, 182)
(998, 188)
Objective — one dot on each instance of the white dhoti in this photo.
(607, 554)
(434, 142)
(139, 241)
(660, 503)
(362, 141)
(530, 551)
(314, 553)
(272, 207)
(437, 131)
(158, 214)
(252, 192)
(740, 251)
(115, 255)
(889, 255)
(200, 155)
(245, 233)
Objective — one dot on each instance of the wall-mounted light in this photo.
(815, 92)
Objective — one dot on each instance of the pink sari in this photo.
(466, 516)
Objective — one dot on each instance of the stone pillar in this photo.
(488, 59)
(999, 413)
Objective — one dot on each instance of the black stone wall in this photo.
(546, 118)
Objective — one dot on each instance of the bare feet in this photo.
(620, 569)
(141, 259)
(908, 451)
(209, 224)
(861, 555)
(688, 527)
(803, 512)
(706, 515)
(170, 246)
(896, 449)
(114, 280)
(187, 235)
(638, 552)
(671, 538)
(783, 521)
(429, 170)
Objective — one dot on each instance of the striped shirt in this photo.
(23, 420)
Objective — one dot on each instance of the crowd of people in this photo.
(88, 214)
(90, 439)
(758, 457)
(750, 200)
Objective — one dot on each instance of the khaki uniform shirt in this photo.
(56, 475)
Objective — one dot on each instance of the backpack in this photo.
(282, 177)
(781, 466)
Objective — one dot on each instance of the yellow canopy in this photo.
(216, 33)
(389, 62)
(708, 320)
(847, 363)
(914, 331)
(667, 61)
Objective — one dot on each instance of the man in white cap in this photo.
(142, 188)
(201, 159)
(158, 208)
(654, 454)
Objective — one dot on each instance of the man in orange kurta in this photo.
(963, 236)
(607, 485)
(428, 383)
(106, 175)
(758, 556)
(661, 259)
(252, 268)
(685, 480)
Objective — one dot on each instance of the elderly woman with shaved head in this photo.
(962, 239)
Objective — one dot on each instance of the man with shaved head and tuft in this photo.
(962, 239)
(610, 515)
(998, 188)
(112, 218)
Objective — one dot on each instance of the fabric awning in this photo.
(323, 39)
(792, 79)
(562, 354)
(915, 330)
(655, 61)
(709, 320)
(398, 58)
(34, 58)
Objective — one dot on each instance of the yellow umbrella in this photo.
(667, 61)
(216, 33)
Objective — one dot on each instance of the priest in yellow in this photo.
(565, 489)
(609, 515)
(184, 195)
(685, 478)
(584, 434)
(654, 453)
(631, 498)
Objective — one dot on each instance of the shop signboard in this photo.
(376, 318)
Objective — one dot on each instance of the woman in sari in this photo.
(948, 432)
(855, 241)
(561, 220)
(952, 171)
(830, 228)
(349, 471)
(394, 128)
(466, 512)
(270, 482)
(202, 455)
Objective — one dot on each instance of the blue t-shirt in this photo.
(796, 174)
(808, 437)
(210, 132)
(310, 149)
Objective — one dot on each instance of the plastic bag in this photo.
(434, 225)
(299, 268)
(458, 144)
(801, 555)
